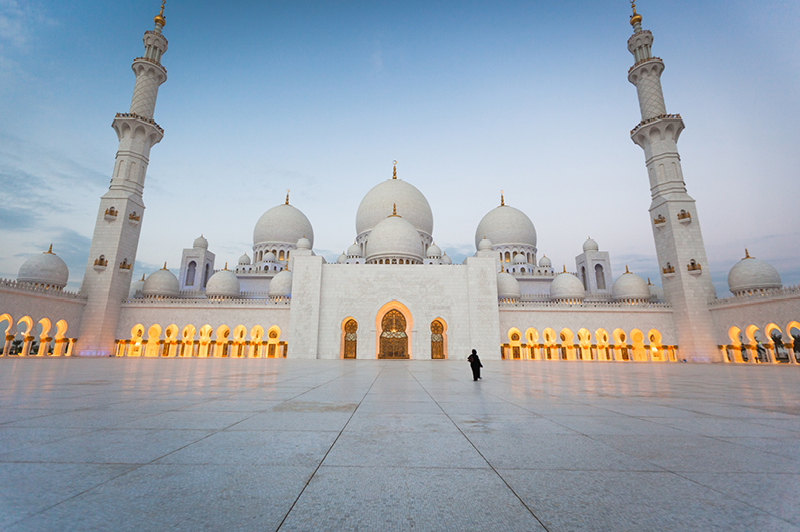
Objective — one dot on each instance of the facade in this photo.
(394, 294)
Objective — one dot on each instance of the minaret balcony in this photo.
(151, 61)
(141, 118)
(659, 221)
(685, 217)
(134, 218)
(649, 122)
(111, 214)
(643, 61)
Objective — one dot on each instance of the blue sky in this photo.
(470, 97)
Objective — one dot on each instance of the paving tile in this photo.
(188, 419)
(313, 421)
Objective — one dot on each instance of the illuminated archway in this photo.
(620, 345)
(44, 337)
(170, 341)
(348, 341)
(239, 343)
(514, 344)
(153, 341)
(438, 339)
(256, 346)
(273, 342)
(567, 344)
(603, 349)
(585, 343)
(793, 332)
(187, 343)
(205, 341)
(137, 336)
(779, 352)
(549, 341)
(8, 336)
(637, 346)
(393, 340)
(61, 341)
(753, 344)
(532, 336)
(222, 346)
(657, 353)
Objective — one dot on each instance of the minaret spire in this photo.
(675, 223)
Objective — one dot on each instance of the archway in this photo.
(549, 341)
(153, 340)
(273, 341)
(187, 345)
(637, 346)
(44, 337)
(256, 335)
(620, 345)
(532, 336)
(515, 344)
(793, 331)
(567, 344)
(603, 350)
(222, 342)
(205, 341)
(170, 341)
(61, 341)
(585, 342)
(393, 325)
(239, 343)
(757, 349)
(137, 333)
(8, 336)
(349, 341)
(656, 352)
(438, 339)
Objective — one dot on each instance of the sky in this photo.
(470, 98)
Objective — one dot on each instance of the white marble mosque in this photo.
(394, 293)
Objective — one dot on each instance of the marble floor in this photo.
(219, 444)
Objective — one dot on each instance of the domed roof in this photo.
(434, 252)
(341, 259)
(44, 268)
(394, 236)
(446, 259)
(751, 273)
(136, 286)
(244, 259)
(507, 286)
(411, 205)
(354, 250)
(544, 262)
(303, 243)
(566, 286)
(485, 244)
(590, 245)
(505, 225)
(520, 258)
(161, 283)
(281, 285)
(269, 257)
(630, 286)
(200, 243)
(223, 283)
(282, 224)
(656, 292)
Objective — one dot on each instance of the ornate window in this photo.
(394, 340)
(350, 338)
(437, 340)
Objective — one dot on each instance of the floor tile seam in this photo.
(314, 473)
(522, 502)
(721, 439)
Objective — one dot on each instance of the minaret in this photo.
(673, 214)
(116, 232)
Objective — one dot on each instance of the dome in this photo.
(269, 257)
(520, 258)
(629, 286)
(434, 252)
(354, 251)
(485, 244)
(544, 262)
(341, 259)
(303, 243)
(590, 245)
(411, 205)
(44, 268)
(282, 224)
(281, 285)
(446, 259)
(566, 286)
(656, 292)
(506, 226)
(200, 243)
(507, 286)
(751, 273)
(136, 286)
(394, 237)
(161, 283)
(244, 259)
(223, 283)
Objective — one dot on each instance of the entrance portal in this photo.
(394, 340)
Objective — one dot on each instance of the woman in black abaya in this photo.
(475, 364)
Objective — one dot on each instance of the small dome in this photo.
(751, 273)
(394, 237)
(281, 285)
(656, 292)
(304, 243)
(446, 259)
(161, 283)
(485, 244)
(223, 283)
(507, 286)
(136, 286)
(520, 258)
(434, 252)
(506, 226)
(282, 224)
(44, 268)
(200, 243)
(269, 257)
(354, 251)
(629, 286)
(566, 287)
(244, 260)
(341, 259)
(544, 262)
(590, 245)
(411, 205)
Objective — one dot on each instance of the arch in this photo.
(754, 345)
(791, 327)
(532, 337)
(402, 339)
(239, 343)
(349, 339)
(600, 277)
(549, 341)
(61, 342)
(256, 347)
(205, 341)
(137, 335)
(187, 341)
(637, 346)
(438, 339)
(515, 344)
(774, 341)
(603, 350)
(273, 342)
(153, 341)
(222, 342)
(567, 344)
(507, 257)
(44, 338)
(657, 353)
(620, 345)
(585, 343)
(8, 337)
(190, 272)
(170, 341)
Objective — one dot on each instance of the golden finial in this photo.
(226, 267)
(165, 265)
(50, 251)
(502, 199)
(636, 17)
(626, 269)
(502, 268)
(565, 269)
(142, 277)
(287, 196)
(394, 210)
(160, 20)
(394, 170)
(746, 254)
(648, 282)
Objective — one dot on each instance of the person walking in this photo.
(475, 364)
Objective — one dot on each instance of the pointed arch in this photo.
(514, 344)
(585, 343)
(755, 346)
(532, 337)
(274, 342)
(44, 337)
(394, 339)
(256, 337)
(603, 350)
(637, 346)
(239, 344)
(657, 353)
(348, 340)
(170, 341)
(153, 341)
(620, 345)
(205, 341)
(549, 341)
(137, 339)
(438, 339)
(567, 344)
(187, 341)
(776, 344)
(222, 342)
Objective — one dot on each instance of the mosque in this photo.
(394, 294)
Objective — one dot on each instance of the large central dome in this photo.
(411, 205)
(282, 224)
(505, 226)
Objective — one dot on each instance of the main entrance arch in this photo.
(393, 325)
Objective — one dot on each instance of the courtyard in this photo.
(277, 444)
